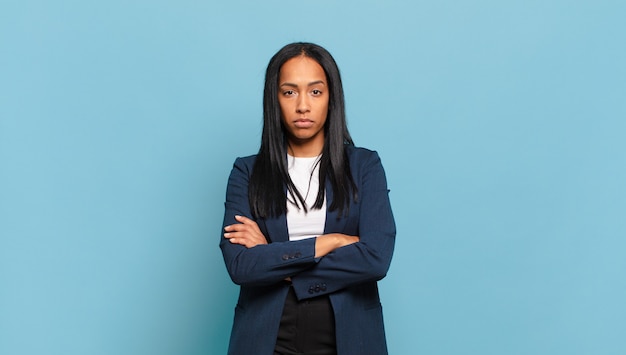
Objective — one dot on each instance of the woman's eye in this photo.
(288, 92)
(316, 92)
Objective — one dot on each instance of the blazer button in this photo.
(311, 289)
(298, 254)
(285, 257)
(317, 288)
(323, 287)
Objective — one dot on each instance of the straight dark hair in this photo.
(270, 181)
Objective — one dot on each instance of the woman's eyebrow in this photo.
(317, 82)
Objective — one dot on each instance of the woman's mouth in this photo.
(303, 123)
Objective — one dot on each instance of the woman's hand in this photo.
(329, 242)
(246, 233)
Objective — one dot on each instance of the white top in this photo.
(304, 172)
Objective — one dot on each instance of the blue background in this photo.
(501, 125)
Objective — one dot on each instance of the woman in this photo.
(308, 227)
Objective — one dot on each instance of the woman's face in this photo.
(303, 98)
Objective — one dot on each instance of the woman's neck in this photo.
(304, 150)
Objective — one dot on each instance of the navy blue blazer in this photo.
(348, 275)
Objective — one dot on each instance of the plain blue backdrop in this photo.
(501, 124)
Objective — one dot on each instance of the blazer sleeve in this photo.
(367, 260)
(263, 264)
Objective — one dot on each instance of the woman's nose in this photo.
(303, 104)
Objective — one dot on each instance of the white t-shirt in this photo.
(304, 173)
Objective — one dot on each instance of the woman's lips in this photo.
(303, 123)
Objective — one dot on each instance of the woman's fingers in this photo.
(243, 238)
(246, 225)
(247, 221)
(246, 233)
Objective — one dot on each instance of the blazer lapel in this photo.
(334, 224)
(277, 229)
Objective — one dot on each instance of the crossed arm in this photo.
(336, 260)
(248, 234)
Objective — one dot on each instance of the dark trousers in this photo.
(306, 327)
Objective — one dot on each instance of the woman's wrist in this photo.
(326, 243)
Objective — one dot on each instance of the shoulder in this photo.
(242, 168)
(359, 155)
(365, 164)
(245, 163)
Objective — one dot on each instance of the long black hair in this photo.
(270, 181)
